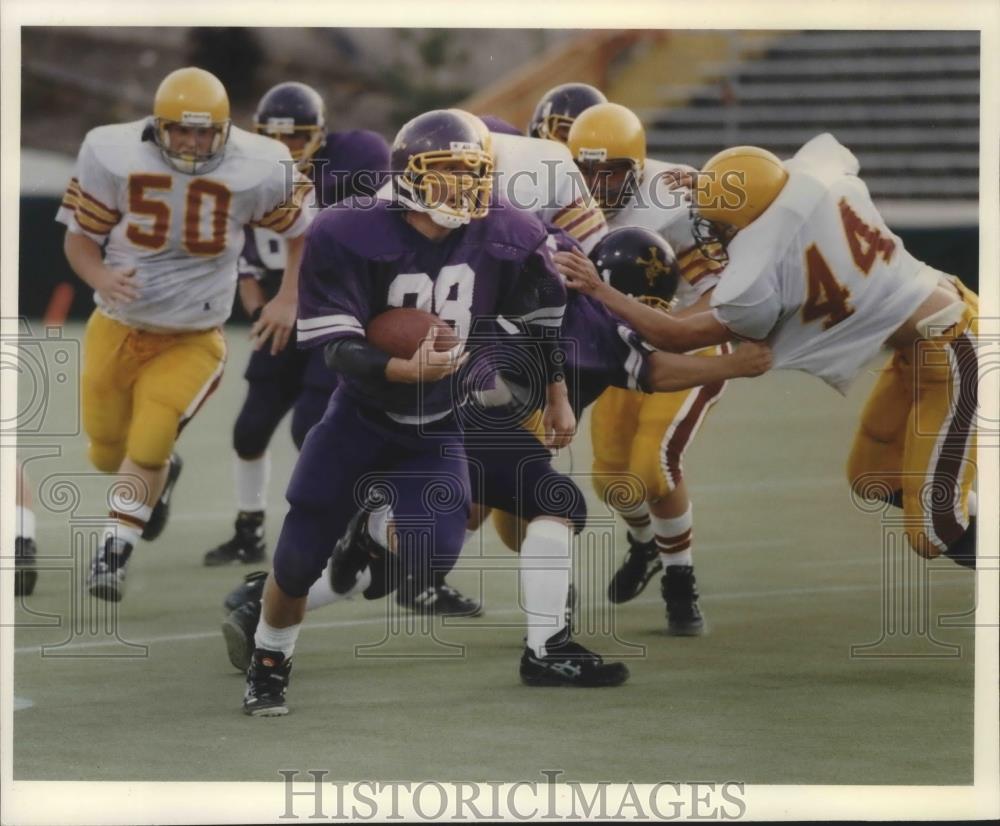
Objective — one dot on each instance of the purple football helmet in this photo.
(559, 107)
(293, 109)
(638, 262)
(442, 164)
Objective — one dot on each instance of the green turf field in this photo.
(791, 575)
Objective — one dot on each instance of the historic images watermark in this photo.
(309, 794)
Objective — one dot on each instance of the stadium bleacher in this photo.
(906, 102)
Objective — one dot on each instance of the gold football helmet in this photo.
(608, 143)
(735, 186)
(196, 101)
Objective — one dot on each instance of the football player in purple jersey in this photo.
(282, 378)
(438, 245)
(511, 468)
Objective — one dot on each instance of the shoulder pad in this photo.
(250, 146)
(352, 150)
(115, 145)
(373, 232)
(508, 233)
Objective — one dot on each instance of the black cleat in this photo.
(267, 679)
(963, 552)
(161, 510)
(567, 663)
(355, 551)
(251, 590)
(679, 591)
(25, 573)
(238, 630)
(107, 572)
(641, 564)
(247, 545)
(439, 599)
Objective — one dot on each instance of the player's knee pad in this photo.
(251, 433)
(106, 457)
(620, 490)
(873, 469)
(153, 434)
(651, 477)
(509, 528)
(558, 495)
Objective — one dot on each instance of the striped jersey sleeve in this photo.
(284, 205)
(91, 200)
(583, 221)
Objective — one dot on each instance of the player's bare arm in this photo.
(669, 372)
(278, 316)
(558, 420)
(84, 256)
(662, 331)
(252, 296)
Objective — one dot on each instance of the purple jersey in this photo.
(499, 125)
(349, 163)
(363, 259)
(601, 350)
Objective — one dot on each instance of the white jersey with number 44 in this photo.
(819, 274)
(181, 233)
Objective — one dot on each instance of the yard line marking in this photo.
(732, 595)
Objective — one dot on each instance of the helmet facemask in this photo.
(613, 182)
(452, 186)
(712, 237)
(192, 159)
(555, 126)
(303, 141)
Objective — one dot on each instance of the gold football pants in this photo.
(639, 439)
(917, 434)
(140, 388)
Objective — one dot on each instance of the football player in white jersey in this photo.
(539, 175)
(639, 439)
(155, 216)
(814, 269)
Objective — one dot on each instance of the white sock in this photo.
(322, 592)
(276, 639)
(378, 525)
(674, 537)
(125, 522)
(251, 477)
(546, 559)
(638, 521)
(24, 522)
(973, 501)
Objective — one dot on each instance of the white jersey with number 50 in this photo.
(819, 274)
(181, 233)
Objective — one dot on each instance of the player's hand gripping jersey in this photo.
(182, 233)
(819, 273)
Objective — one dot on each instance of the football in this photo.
(399, 331)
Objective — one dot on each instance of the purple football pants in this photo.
(354, 450)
